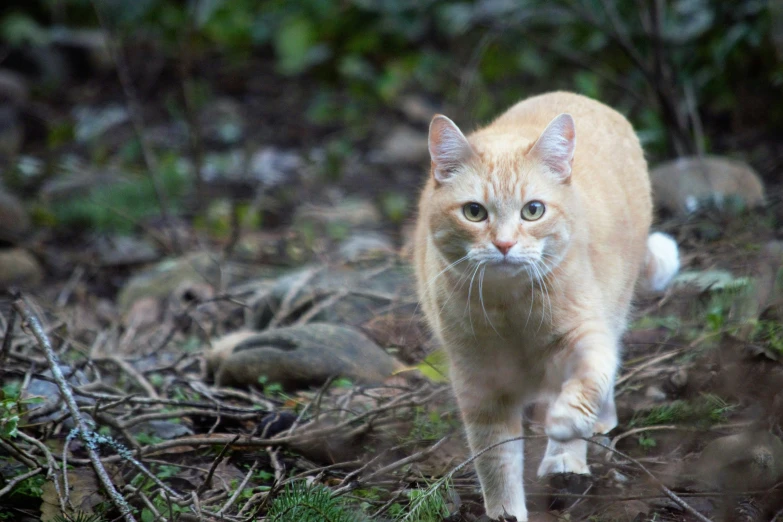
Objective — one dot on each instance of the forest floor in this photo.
(131, 317)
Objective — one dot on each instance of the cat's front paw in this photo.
(563, 463)
(564, 422)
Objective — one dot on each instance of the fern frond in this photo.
(302, 503)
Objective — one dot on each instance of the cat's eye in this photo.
(474, 212)
(533, 211)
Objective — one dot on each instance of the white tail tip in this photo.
(663, 261)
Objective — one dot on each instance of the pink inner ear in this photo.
(555, 147)
(448, 147)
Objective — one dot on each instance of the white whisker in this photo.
(481, 299)
(470, 290)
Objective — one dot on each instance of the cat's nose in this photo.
(504, 246)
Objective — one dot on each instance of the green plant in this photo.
(309, 503)
(12, 408)
(428, 504)
(646, 442)
(706, 409)
(122, 205)
(771, 334)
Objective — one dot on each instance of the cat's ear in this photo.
(555, 147)
(448, 148)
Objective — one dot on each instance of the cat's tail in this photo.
(662, 261)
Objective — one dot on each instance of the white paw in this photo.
(564, 422)
(564, 463)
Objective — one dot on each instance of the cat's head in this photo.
(502, 201)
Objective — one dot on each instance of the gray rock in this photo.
(125, 250)
(165, 277)
(162, 429)
(403, 144)
(417, 108)
(299, 356)
(741, 462)
(19, 268)
(688, 184)
(655, 393)
(222, 121)
(52, 407)
(197, 270)
(93, 122)
(267, 166)
(92, 43)
(366, 245)
(351, 213)
(361, 293)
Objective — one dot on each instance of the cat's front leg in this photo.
(489, 421)
(591, 366)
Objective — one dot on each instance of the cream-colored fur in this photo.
(534, 309)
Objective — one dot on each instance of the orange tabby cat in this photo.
(528, 246)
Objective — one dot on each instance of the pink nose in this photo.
(504, 246)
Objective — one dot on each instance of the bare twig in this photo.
(19, 479)
(230, 502)
(669, 493)
(81, 424)
(208, 480)
(135, 114)
(415, 457)
(8, 337)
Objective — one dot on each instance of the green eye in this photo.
(533, 211)
(474, 212)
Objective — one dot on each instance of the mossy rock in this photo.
(361, 292)
(298, 356)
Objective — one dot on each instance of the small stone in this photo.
(162, 429)
(679, 378)
(418, 109)
(351, 213)
(741, 462)
(594, 451)
(618, 477)
(19, 268)
(365, 245)
(655, 393)
(95, 122)
(125, 250)
(403, 144)
(689, 184)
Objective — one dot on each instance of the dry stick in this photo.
(235, 496)
(65, 390)
(394, 466)
(285, 306)
(20, 455)
(135, 375)
(135, 114)
(53, 467)
(9, 334)
(208, 480)
(669, 493)
(18, 479)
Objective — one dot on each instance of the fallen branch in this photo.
(84, 431)
(669, 493)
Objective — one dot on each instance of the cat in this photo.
(530, 238)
